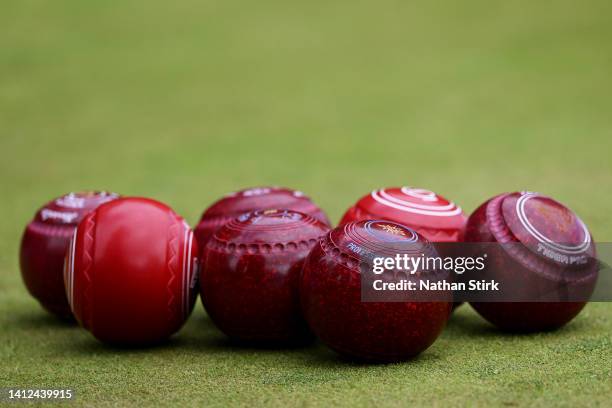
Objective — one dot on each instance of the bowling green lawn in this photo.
(185, 102)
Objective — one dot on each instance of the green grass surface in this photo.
(186, 101)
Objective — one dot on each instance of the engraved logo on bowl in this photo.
(390, 232)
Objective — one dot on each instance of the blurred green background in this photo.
(187, 101)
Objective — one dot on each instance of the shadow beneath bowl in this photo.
(39, 320)
(472, 324)
(202, 333)
(324, 357)
(91, 345)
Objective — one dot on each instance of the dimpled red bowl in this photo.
(44, 244)
(555, 255)
(130, 272)
(253, 199)
(250, 271)
(330, 290)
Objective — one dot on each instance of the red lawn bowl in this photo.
(549, 252)
(131, 272)
(44, 244)
(253, 199)
(330, 291)
(431, 215)
(250, 273)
